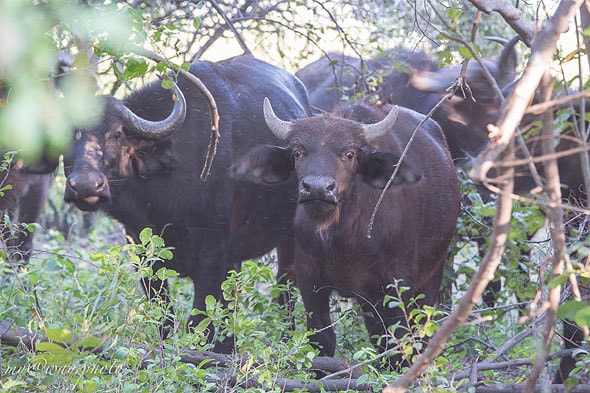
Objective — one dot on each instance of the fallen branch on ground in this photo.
(18, 337)
(14, 336)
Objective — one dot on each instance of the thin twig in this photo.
(230, 25)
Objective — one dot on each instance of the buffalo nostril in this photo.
(331, 187)
(305, 186)
(100, 184)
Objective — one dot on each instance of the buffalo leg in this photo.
(317, 305)
(286, 275)
(377, 321)
(316, 300)
(207, 280)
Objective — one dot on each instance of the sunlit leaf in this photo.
(62, 335)
(49, 347)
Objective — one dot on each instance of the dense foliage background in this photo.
(81, 287)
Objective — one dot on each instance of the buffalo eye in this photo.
(117, 134)
(296, 154)
(350, 155)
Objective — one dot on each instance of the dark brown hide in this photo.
(339, 185)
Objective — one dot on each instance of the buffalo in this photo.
(140, 163)
(413, 79)
(342, 162)
(23, 202)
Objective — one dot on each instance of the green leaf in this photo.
(430, 328)
(577, 311)
(453, 13)
(67, 264)
(167, 83)
(134, 67)
(157, 241)
(465, 53)
(166, 254)
(164, 274)
(90, 342)
(145, 235)
(55, 358)
(196, 22)
(161, 66)
(49, 347)
(210, 302)
(556, 281)
(88, 386)
(486, 211)
(59, 335)
(395, 304)
(11, 383)
(32, 227)
(129, 387)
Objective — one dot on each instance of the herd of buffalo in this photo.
(297, 169)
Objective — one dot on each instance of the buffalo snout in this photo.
(318, 188)
(88, 188)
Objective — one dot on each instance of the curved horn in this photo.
(507, 61)
(374, 131)
(158, 129)
(280, 128)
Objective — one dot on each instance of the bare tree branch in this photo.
(555, 216)
(18, 337)
(486, 366)
(512, 15)
(556, 102)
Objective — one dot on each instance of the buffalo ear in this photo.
(264, 164)
(377, 167)
(152, 158)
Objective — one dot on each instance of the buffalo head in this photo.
(121, 144)
(327, 152)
